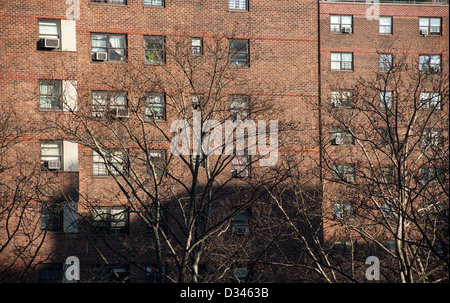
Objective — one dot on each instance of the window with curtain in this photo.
(112, 44)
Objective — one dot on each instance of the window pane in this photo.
(346, 20)
(347, 57)
(117, 41)
(423, 21)
(385, 20)
(335, 19)
(335, 57)
(48, 28)
(98, 41)
(435, 22)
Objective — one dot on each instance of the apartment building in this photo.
(97, 84)
(372, 55)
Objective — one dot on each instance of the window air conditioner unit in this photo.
(100, 56)
(239, 229)
(54, 165)
(349, 178)
(434, 69)
(121, 112)
(51, 43)
(424, 32)
(346, 30)
(337, 141)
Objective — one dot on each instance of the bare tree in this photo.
(189, 197)
(385, 161)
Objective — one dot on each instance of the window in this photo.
(388, 210)
(109, 1)
(49, 34)
(240, 167)
(391, 246)
(155, 107)
(385, 62)
(429, 26)
(108, 47)
(196, 46)
(240, 274)
(387, 174)
(431, 63)
(111, 274)
(239, 224)
(239, 52)
(154, 49)
(241, 5)
(115, 161)
(196, 100)
(341, 61)
(386, 99)
(152, 273)
(432, 137)
(385, 136)
(239, 109)
(341, 136)
(157, 158)
(51, 216)
(429, 100)
(342, 98)
(154, 2)
(50, 93)
(51, 155)
(344, 246)
(344, 172)
(343, 210)
(50, 273)
(110, 219)
(431, 173)
(111, 104)
(341, 24)
(385, 26)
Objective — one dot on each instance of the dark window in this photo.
(239, 52)
(110, 219)
(51, 273)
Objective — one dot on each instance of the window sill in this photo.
(153, 6)
(235, 10)
(50, 110)
(108, 4)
